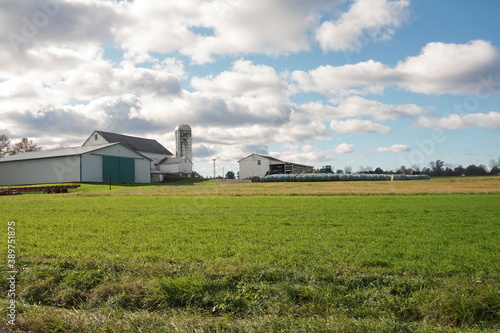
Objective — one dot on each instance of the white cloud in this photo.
(244, 79)
(450, 68)
(358, 106)
(204, 29)
(439, 69)
(355, 106)
(455, 121)
(28, 23)
(358, 126)
(366, 21)
(344, 148)
(393, 149)
(296, 129)
(300, 129)
(304, 154)
(24, 95)
(330, 80)
(199, 29)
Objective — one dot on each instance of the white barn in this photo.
(148, 147)
(162, 160)
(93, 163)
(261, 165)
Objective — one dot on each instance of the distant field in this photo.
(298, 257)
(457, 185)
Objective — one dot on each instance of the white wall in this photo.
(156, 158)
(91, 140)
(92, 168)
(185, 166)
(64, 169)
(117, 150)
(170, 168)
(250, 167)
(142, 171)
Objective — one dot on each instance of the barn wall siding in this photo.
(142, 171)
(64, 169)
(249, 166)
(92, 168)
(118, 151)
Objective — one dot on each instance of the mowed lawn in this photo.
(255, 263)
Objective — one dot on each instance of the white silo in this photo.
(183, 142)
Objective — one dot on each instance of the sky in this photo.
(360, 83)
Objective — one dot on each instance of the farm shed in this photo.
(94, 163)
(261, 165)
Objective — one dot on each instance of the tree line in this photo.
(23, 146)
(439, 169)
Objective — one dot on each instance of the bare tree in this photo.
(495, 163)
(24, 146)
(4, 145)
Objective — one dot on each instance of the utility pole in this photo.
(214, 167)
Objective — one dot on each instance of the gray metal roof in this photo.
(175, 160)
(264, 156)
(139, 144)
(274, 159)
(54, 153)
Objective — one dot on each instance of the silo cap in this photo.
(183, 127)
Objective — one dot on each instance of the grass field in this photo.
(409, 256)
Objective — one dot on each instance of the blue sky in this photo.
(365, 83)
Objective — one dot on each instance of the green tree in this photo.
(459, 170)
(437, 167)
(474, 170)
(230, 175)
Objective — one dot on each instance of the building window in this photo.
(95, 137)
(258, 162)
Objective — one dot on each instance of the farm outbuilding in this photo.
(261, 165)
(93, 163)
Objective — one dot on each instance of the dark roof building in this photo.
(139, 144)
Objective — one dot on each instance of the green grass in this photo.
(412, 263)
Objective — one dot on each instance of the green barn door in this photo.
(111, 168)
(127, 170)
(120, 169)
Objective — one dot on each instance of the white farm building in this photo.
(163, 161)
(103, 156)
(81, 164)
(261, 165)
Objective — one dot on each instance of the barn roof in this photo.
(139, 144)
(274, 159)
(264, 156)
(54, 153)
